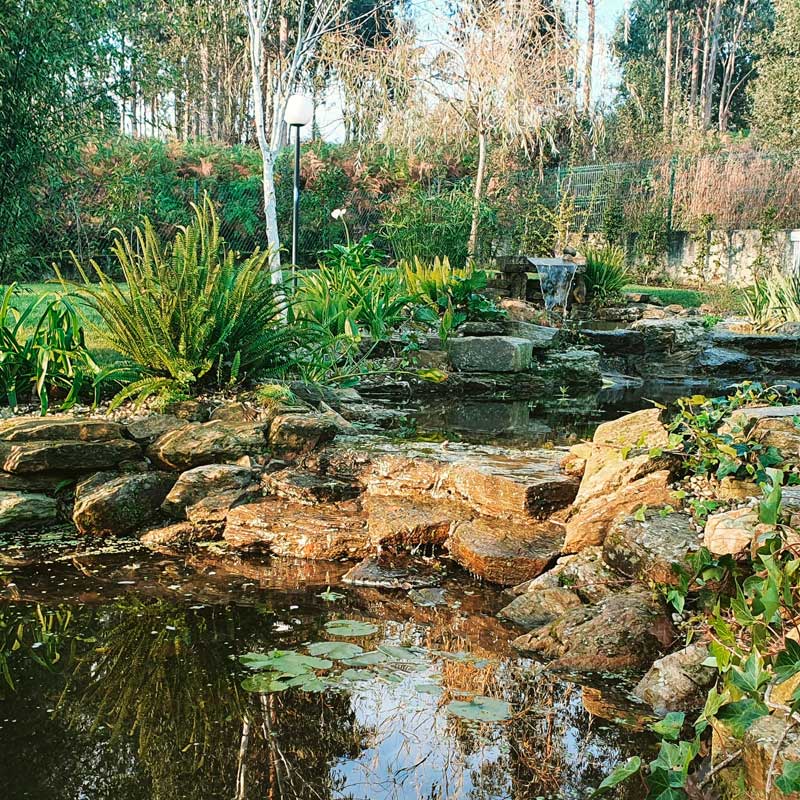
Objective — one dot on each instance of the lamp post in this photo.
(299, 111)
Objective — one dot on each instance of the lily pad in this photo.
(285, 662)
(350, 627)
(432, 689)
(366, 659)
(356, 675)
(309, 682)
(338, 651)
(265, 683)
(480, 709)
(400, 653)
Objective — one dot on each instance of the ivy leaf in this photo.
(789, 780)
(751, 677)
(741, 714)
(787, 662)
(670, 727)
(639, 515)
(620, 773)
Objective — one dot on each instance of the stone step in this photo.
(492, 481)
(405, 524)
(304, 486)
(506, 553)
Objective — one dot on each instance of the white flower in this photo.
(338, 213)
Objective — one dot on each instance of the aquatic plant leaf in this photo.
(620, 773)
(309, 682)
(369, 659)
(357, 675)
(262, 660)
(350, 627)
(338, 651)
(389, 675)
(330, 596)
(400, 653)
(264, 682)
(480, 709)
(286, 662)
(432, 689)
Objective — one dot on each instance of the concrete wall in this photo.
(730, 257)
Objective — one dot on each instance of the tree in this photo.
(776, 91)
(53, 90)
(590, 36)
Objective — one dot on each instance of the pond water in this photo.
(120, 678)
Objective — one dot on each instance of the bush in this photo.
(188, 315)
(43, 354)
(773, 301)
(606, 274)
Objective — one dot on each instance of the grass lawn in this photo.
(688, 298)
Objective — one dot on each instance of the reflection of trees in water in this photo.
(152, 688)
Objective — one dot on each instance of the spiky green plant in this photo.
(773, 301)
(606, 274)
(187, 314)
(42, 351)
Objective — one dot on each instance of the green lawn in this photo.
(688, 298)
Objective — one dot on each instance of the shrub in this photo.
(187, 314)
(773, 301)
(606, 274)
(447, 296)
(42, 349)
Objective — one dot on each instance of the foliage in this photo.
(773, 301)
(606, 274)
(447, 297)
(650, 244)
(42, 352)
(187, 313)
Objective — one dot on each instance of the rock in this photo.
(43, 483)
(329, 532)
(108, 504)
(212, 511)
(670, 334)
(59, 428)
(19, 511)
(646, 551)
(730, 532)
(175, 535)
(723, 361)
(766, 735)
(145, 431)
(195, 445)
(402, 524)
(292, 435)
(432, 359)
(583, 573)
(772, 426)
(541, 337)
(342, 425)
(539, 607)
(505, 553)
(574, 463)
(677, 682)
(623, 632)
(621, 453)
(573, 368)
(26, 458)
(210, 479)
(232, 412)
(490, 353)
(731, 488)
(188, 410)
(307, 487)
(428, 597)
(401, 573)
(616, 342)
(590, 524)
(481, 328)
(493, 481)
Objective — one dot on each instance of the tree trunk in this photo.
(587, 81)
(696, 35)
(254, 22)
(477, 195)
(726, 91)
(665, 114)
(711, 67)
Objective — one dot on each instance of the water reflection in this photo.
(140, 697)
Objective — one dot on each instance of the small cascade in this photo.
(556, 282)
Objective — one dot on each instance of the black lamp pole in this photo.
(296, 206)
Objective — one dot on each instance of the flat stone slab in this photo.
(402, 573)
(398, 523)
(492, 481)
(504, 552)
(296, 530)
(539, 607)
(59, 428)
(308, 487)
(20, 511)
(196, 485)
(490, 353)
(66, 456)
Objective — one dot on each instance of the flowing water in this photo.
(556, 282)
(120, 678)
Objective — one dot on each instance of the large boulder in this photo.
(678, 681)
(197, 484)
(294, 530)
(147, 429)
(20, 510)
(576, 368)
(770, 425)
(538, 607)
(66, 456)
(107, 504)
(395, 523)
(403, 573)
(291, 435)
(589, 525)
(59, 427)
(490, 353)
(651, 550)
(303, 486)
(196, 444)
(624, 632)
(506, 553)
(730, 532)
(763, 738)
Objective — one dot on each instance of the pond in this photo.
(120, 677)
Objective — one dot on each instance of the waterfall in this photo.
(556, 282)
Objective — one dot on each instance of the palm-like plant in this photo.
(606, 274)
(187, 313)
(773, 301)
